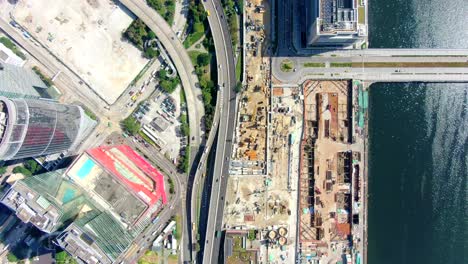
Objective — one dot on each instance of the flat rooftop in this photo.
(337, 15)
(122, 180)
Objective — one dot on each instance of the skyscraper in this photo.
(334, 22)
(32, 128)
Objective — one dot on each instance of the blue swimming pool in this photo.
(85, 169)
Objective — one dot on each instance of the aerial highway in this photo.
(227, 82)
(182, 62)
(195, 189)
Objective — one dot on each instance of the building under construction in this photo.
(326, 170)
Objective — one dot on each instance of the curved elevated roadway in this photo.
(182, 62)
(227, 82)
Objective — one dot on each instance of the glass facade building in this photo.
(38, 127)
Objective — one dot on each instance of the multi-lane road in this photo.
(227, 82)
(376, 65)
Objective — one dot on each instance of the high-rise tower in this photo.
(32, 128)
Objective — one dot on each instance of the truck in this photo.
(218, 234)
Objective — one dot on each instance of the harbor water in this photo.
(418, 142)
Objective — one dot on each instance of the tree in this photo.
(251, 235)
(206, 97)
(156, 4)
(2, 170)
(11, 257)
(203, 59)
(238, 87)
(32, 166)
(167, 86)
(151, 53)
(62, 257)
(22, 170)
(151, 35)
(162, 74)
(197, 247)
(131, 125)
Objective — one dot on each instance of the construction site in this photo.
(262, 185)
(87, 37)
(329, 193)
(250, 148)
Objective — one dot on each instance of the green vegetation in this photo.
(149, 257)
(131, 125)
(48, 82)
(192, 38)
(184, 125)
(238, 87)
(201, 61)
(9, 44)
(182, 96)
(362, 15)
(29, 168)
(62, 257)
(197, 246)
(178, 229)
(146, 138)
(340, 64)
(197, 15)
(184, 162)
(233, 17)
(2, 170)
(239, 253)
(171, 185)
(32, 166)
(193, 54)
(286, 65)
(12, 257)
(239, 69)
(166, 8)
(22, 170)
(90, 113)
(139, 34)
(167, 83)
(252, 235)
(314, 64)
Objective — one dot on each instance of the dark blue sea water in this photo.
(418, 135)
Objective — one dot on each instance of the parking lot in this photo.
(159, 117)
